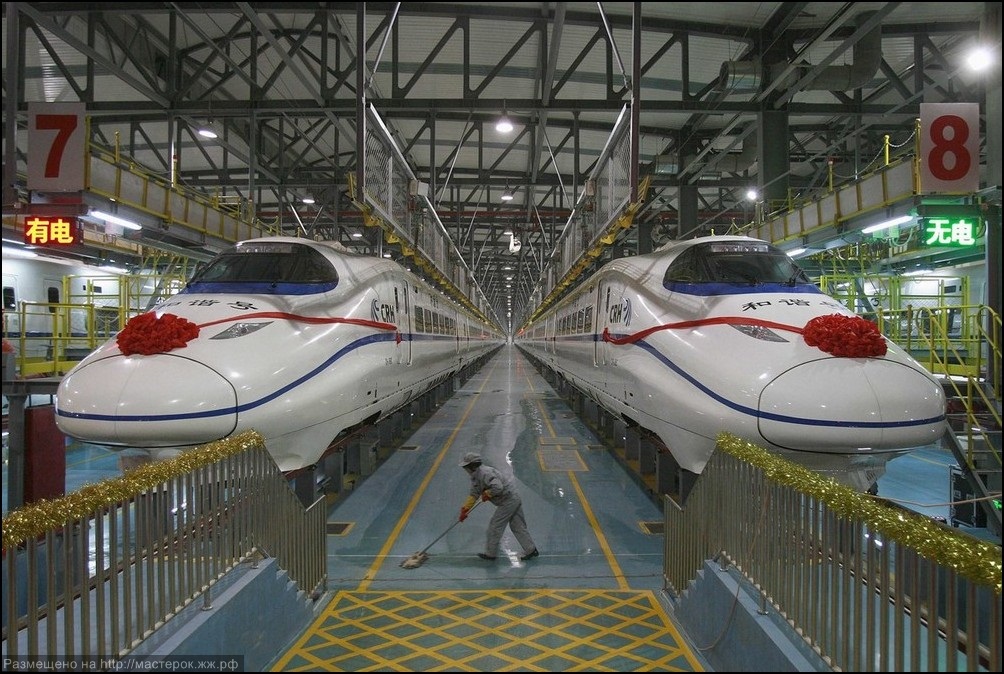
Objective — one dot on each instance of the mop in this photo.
(416, 560)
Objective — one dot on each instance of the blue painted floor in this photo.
(591, 601)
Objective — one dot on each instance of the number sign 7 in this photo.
(56, 147)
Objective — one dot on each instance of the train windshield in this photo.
(735, 262)
(279, 266)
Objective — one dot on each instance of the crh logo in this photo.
(381, 312)
(621, 313)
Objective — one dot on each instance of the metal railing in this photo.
(50, 338)
(969, 359)
(868, 586)
(96, 572)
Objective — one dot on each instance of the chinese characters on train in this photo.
(794, 302)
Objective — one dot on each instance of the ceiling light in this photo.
(308, 200)
(887, 224)
(503, 125)
(115, 220)
(979, 59)
(207, 132)
(752, 195)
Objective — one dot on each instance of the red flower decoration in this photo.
(845, 336)
(147, 334)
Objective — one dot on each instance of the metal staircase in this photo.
(974, 426)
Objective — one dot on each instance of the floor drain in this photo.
(338, 528)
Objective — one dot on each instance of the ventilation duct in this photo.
(749, 76)
(741, 77)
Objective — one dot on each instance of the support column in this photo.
(772, 146)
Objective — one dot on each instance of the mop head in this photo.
(415, 560)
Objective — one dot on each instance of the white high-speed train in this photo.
(297, 339)
(718, 334)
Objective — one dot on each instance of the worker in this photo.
(488, 484)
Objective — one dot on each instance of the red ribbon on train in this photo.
(836, 334)
(148, 334)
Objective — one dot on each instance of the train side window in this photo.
(52, 297)
(9, 298)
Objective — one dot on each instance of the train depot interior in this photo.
(509, 159)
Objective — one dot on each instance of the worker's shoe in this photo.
(484, 556)
(530, 555)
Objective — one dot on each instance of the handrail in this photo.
(986, 398)
(96, 572)
(863, 582)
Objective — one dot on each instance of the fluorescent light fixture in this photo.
(887, 224)
(115, 220)
(206, 132)
(507, 195)
(18, 252)
(308, 200)
(918, 272)
(357, 235)
(114, 270)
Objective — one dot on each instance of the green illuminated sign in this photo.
(958, 231)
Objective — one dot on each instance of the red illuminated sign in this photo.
(950, 147)
(56, 147)
(57, 231)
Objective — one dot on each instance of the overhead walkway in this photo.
(175, 218)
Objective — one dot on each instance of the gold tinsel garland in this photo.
(35, 519)
(979, 561)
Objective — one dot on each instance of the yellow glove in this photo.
(469, 503)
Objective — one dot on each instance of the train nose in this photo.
(141, 401)
(868, 403)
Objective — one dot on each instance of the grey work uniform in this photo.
(508, 509)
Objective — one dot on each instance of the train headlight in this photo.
(240, 330)
(760, 332)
